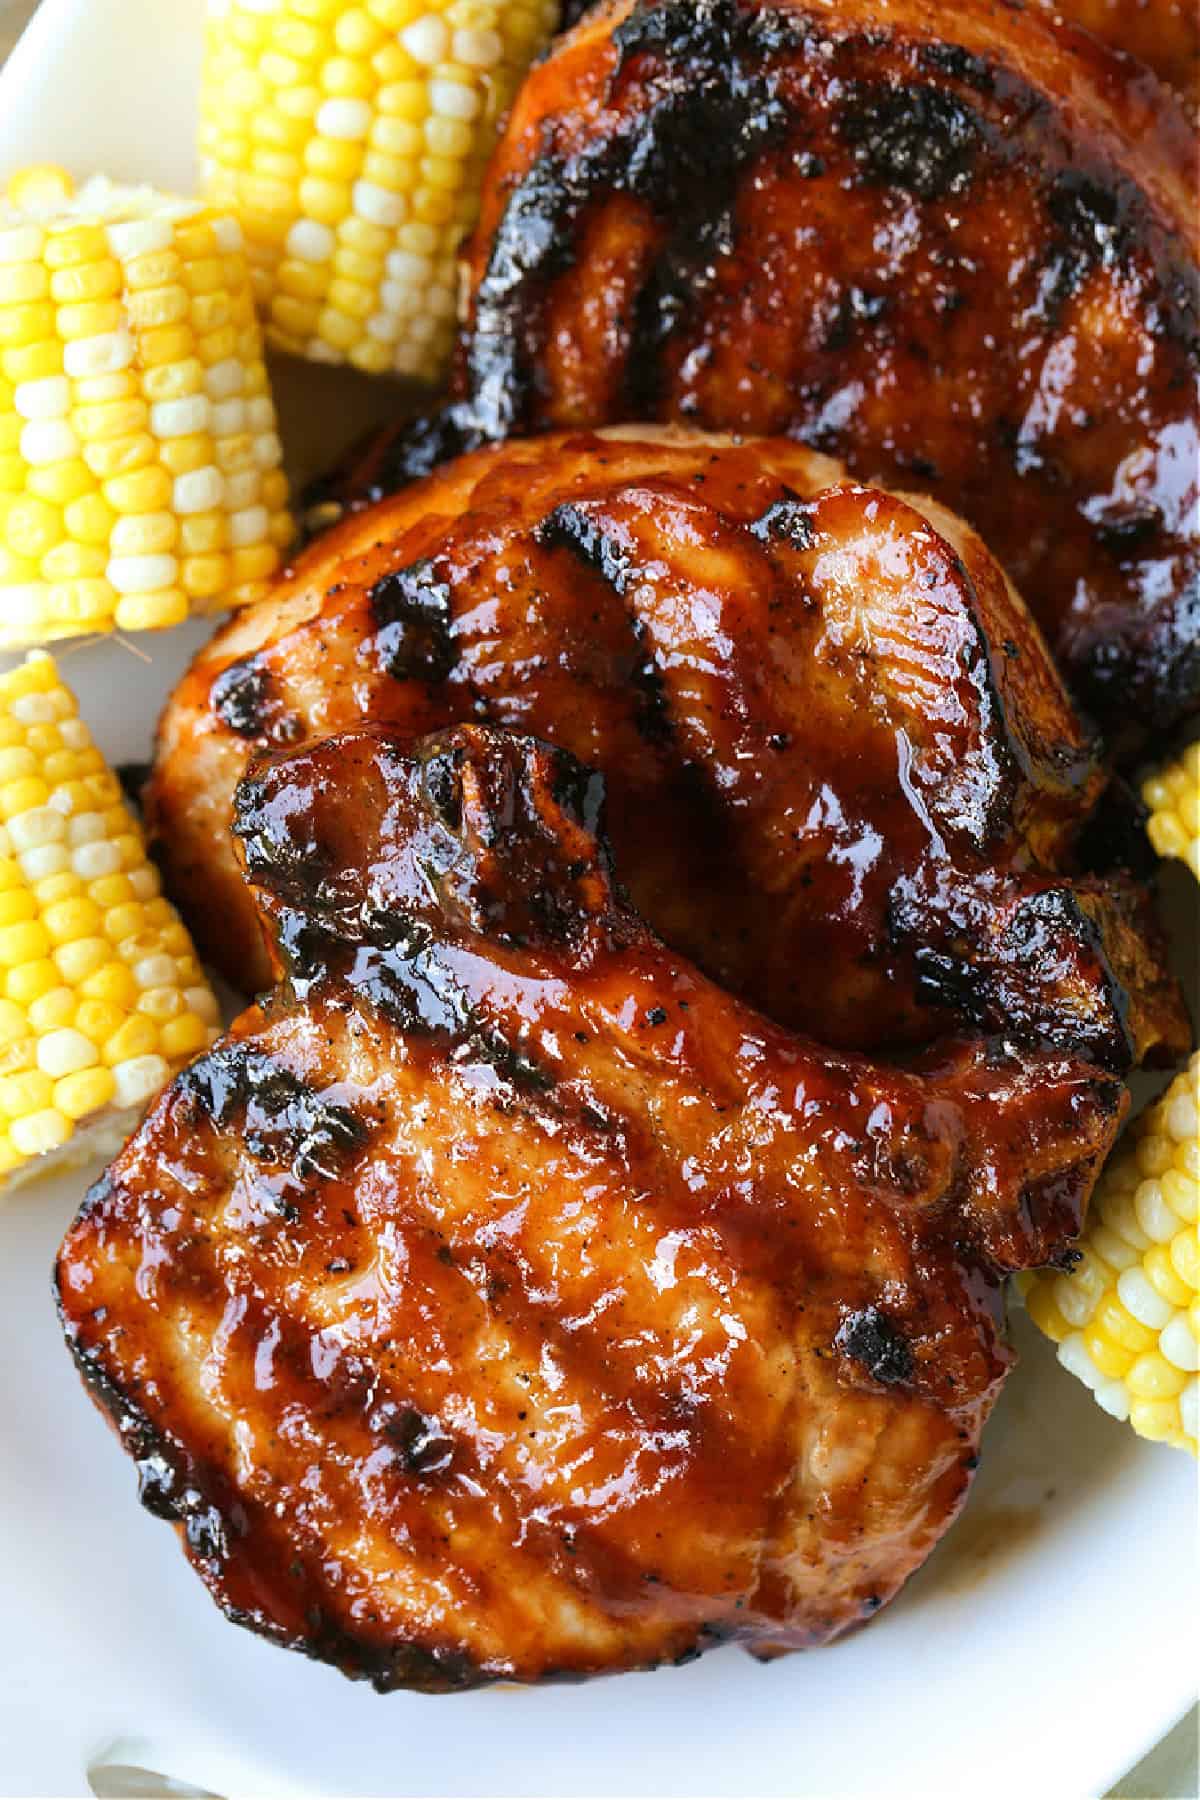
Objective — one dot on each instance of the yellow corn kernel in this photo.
(24, 1093)
(1173, 796)
(111, 985)
(151, 612)
(138, 1036)
(1141, 1230)
(61, 483)
(342, 130)
(89, 1091)
(140, 491)
(88, 1027)
(40, 185)
(87, 281)
(126, 317)
(27, 981)
(183, 1036)
(39, 1133)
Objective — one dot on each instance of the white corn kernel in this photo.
(377, 205)
(227, 417)
(309, 241)
(346, 120)
(242, 489)
(1177, 1341)
(21, 243)
(228, 233)
(200, 1000)
(268, 450)
(85, 828)
(249, 526)
(138, 1078)
(93, 861)
(427, 40)
(40, 826)
(199, 491)
(453, 100)
(65, 1052)
(154, 971)
(46, 441)
(225, 379)
(477, 49)
(44, 860)
(48, 398)
(139, 237)
(142, 574)
(108, 353)
(180, 418)
(1140, 1299)
(1189, 1409)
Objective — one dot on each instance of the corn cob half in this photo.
(350, 142)
(140, 473)
(1127, 1319)
(1173, 796)
(101, 995)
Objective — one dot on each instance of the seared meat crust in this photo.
(954, 246)
(843, 774)
(501, 1299)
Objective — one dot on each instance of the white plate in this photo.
(1046, 1646)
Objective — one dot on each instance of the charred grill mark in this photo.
(220, 1528)
(241, 698)
(855, 309)
(411, 612)
(918, 139)
(874, 1340)
(586, 538)
(960, 64)
(245, 698)
(712, 110)
(1108, 224)
(284, 1120)
(991, 980)
(1156, 673)
(790, 519)
(420, 1444)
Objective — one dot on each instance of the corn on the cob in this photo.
(350, 142)
(101, 995)
(1127, 1319)
(140, 472)
(1173, 796)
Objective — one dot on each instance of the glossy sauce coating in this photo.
(843, 774)
(954, 246)
(1163, 34)
(504, 1300)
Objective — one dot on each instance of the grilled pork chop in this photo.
(843, 774)
(502, 1299)
(955, 246)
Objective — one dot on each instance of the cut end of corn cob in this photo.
(1127, 1320)
(350, 141)
(1173, 796)
(101, 995)
(140, 463)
